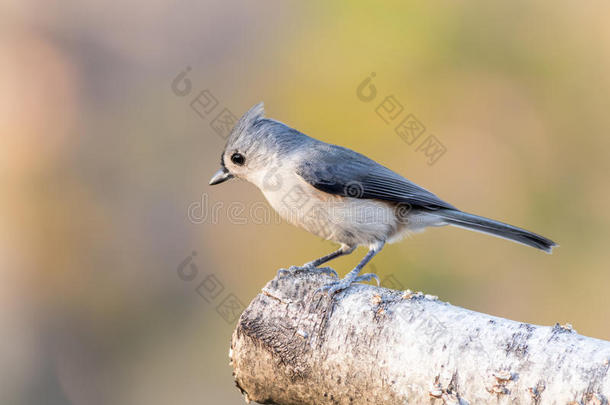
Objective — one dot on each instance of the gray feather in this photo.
(341, 171)
(495, 228)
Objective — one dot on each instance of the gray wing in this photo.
(340, 171)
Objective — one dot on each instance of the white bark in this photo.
(371, 345)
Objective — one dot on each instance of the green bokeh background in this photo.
(100, 161)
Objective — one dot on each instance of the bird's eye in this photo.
(238, 159)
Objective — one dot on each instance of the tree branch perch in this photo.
(371, 345)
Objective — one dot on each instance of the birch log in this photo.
(372, 345)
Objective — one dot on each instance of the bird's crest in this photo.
(246, 121)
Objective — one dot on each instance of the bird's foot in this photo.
(336, 286)
(307, 267)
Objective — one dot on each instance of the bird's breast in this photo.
(352, 221)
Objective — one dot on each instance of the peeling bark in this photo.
(371, 345)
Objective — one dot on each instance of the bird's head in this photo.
(255, 144)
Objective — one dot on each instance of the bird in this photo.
(341, 195)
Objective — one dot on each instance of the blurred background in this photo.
(123, 272)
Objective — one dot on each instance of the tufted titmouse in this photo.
(341, 195)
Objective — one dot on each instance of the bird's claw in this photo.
(307, 267)
(332, 288)
(324, 270)
(335, 286)
(367, 277)
(282, 272)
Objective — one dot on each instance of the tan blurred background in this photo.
(100, 161)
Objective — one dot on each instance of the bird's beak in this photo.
(220, 176)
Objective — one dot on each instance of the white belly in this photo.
(347, 220)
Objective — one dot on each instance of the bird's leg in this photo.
(312, 265)
(342, 251)
(352, 276)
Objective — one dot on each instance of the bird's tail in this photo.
(495, 228)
